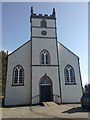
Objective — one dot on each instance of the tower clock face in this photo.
(44, 32)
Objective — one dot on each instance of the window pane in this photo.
(47, 62)
(20, 72)
(21, 76)
(42, 82)
(48, 81)
(47, 59)
(16, 80)
(16, 76)
(72, 75)
(45, 81)
(42, 58)
(42, 62)
(67, 75)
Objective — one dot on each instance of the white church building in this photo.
(43, 69)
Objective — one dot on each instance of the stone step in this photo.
(50, 103)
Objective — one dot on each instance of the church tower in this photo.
(44, 58)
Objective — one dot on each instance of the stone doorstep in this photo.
(50, 104)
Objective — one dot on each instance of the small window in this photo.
(43, 23)
(69, 75)
(44, 58)
(18, 75)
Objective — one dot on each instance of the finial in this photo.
(45, 74)
(7, 52)
(31, 10)
(53, 11)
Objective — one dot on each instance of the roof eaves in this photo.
(68, 49)
(19, 47)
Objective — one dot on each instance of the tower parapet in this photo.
(41, 16)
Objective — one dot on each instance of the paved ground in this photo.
(53, 111)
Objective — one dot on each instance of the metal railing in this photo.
(56, 98)
(36, 99)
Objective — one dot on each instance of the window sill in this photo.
(70, 83)
(17, 85)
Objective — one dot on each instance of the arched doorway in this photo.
(45, 89)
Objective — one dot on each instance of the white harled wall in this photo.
(37, 74)
(39, 44)
(48, 42)
(69, 93)
(36, 22)
(19, 95)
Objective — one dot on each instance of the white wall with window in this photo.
(69, 75)
(18, 84)
(36, 22)
(37, 74)
(45, 45)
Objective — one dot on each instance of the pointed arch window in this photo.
(45, 58)
(18, 75)
(43, 23)
(69, 75)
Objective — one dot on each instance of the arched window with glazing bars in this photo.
(18, 75)
(69, 75)
(44, 58)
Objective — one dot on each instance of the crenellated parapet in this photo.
(41, 16)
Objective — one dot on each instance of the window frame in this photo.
(44, 61)
(13, 80)
(70, 82)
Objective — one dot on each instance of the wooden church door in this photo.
(45, 90)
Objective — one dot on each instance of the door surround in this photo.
(46, 83)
